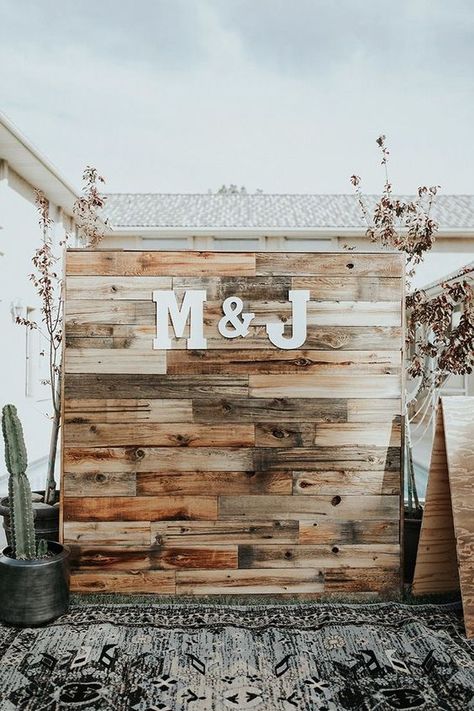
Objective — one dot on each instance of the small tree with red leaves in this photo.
(437, 348)
(49, 288)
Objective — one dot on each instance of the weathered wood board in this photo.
(242, 467)
(445, 558)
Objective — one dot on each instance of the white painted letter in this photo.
(298, 298)
(191, 307)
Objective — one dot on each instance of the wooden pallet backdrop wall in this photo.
(242, 468)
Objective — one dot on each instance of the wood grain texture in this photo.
(96, 410)
(342, 386)
(299, 508)
(223, 532)
(115, 533)
(241, 468)
(190, 484)
(436, 568)
(343, 264)
(159, 435)
(235, 582)
(109, 558)
(319, 556)
(134, 263)
(140, 508)
(160, 582)
(458, 421)
(268, 362)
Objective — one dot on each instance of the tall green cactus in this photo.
(19, 491)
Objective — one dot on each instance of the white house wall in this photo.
(20, 378)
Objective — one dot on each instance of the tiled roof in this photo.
(261, 211)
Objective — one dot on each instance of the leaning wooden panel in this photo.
(458, 420)
(239, 467)
(436, 569)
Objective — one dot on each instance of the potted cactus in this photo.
(34, 574)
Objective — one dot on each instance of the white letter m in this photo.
(191, 308)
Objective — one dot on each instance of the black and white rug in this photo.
(310, 657)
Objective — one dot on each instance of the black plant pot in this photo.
(411, 535)
(46, 519)
(33, 592)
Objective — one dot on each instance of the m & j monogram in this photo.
(233, 324)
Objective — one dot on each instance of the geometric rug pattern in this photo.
(198, 657)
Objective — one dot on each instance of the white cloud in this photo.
(170, 96)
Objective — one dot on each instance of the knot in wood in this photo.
(279, 434)
(336, 500)
(139, 453)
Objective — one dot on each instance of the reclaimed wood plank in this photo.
(134, 288)
(329, 265)
(154, 558)
(234, 582)
(160, 582)
(234, 410)
(122, 312)
(374, 410)
(333, 531)
(138, 386)
(100, 533)
(300, 508)
(314, 556)
(116, 411)
(175, 533)
(99, 483)
(135, 263)
(140, 508)
(384, 434)
(308, 483)
(284, 434)
(271, 361)
(317, 458)
(192, 484)
(108, 360)
(159, 435)
(157, 459)
(349, 288)
(247, 287)
(384, 581)
(281, 434)
(307, 386)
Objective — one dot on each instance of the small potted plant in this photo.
(34, 573)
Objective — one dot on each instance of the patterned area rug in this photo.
(215, 658)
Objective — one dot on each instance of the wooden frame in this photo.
(241, 468)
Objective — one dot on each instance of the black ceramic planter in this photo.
(33, 592)
(46, 520)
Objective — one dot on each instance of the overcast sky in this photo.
(283, 95)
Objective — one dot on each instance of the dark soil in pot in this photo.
(46, 518)
(411, 537)
(33, 592)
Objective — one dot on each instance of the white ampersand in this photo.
(232, 309)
